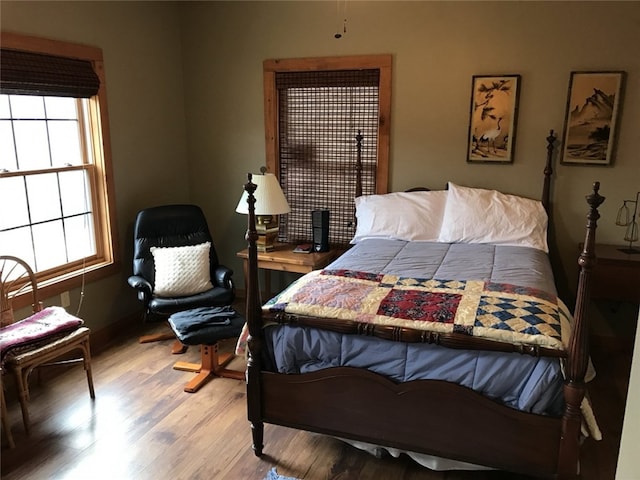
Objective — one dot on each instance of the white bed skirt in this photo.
(430, 461)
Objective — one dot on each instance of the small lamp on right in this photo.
(625, 220)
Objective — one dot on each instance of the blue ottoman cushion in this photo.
(206, 325)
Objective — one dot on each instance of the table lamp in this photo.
(270, 202)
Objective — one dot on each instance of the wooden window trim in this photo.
(109, 263)
(381, 62)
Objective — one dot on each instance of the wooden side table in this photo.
(616, 275)
(285, 260)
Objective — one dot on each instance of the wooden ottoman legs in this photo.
(211, 365)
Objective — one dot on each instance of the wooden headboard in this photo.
(548, 171)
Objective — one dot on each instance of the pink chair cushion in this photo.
(47, 324)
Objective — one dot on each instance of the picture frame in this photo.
(591, 117)
(493, 118)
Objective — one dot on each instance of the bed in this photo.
(447, 342)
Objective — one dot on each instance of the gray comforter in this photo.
(523, 382)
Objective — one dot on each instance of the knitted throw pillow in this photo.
(181, 271)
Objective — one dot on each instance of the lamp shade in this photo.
(270, 199)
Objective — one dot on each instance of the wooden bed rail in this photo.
(410, 335)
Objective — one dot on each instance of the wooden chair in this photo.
(5, 421)
(44, 338)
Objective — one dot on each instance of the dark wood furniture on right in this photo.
(426, 416)
(616, 275)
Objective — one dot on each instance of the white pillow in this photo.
(474, 215)
(181, 271)
(400, 216)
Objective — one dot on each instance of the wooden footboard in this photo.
(424, 416)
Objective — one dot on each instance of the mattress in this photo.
(522, 382)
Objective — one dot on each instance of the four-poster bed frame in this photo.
(425, 416)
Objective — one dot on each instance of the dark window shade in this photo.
(27, 73)
(328, 78)
(320, 114)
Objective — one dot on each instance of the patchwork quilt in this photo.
(494, 311)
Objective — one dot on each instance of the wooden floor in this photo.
(143, 426)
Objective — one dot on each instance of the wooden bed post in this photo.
(359, 138)
(578, 355)
(254, 321)
(548, 171)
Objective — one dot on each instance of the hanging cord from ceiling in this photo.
(343, 30)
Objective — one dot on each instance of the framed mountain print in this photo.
(591, 117)
(492, 124)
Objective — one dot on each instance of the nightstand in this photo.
(616, 275)
(283, 259)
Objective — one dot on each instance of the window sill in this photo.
(62, 283)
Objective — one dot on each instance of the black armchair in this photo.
(176, 226)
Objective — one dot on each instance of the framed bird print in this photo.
(591, 118)
(493, 118)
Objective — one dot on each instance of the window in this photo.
(314, 110)
(56, 200)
